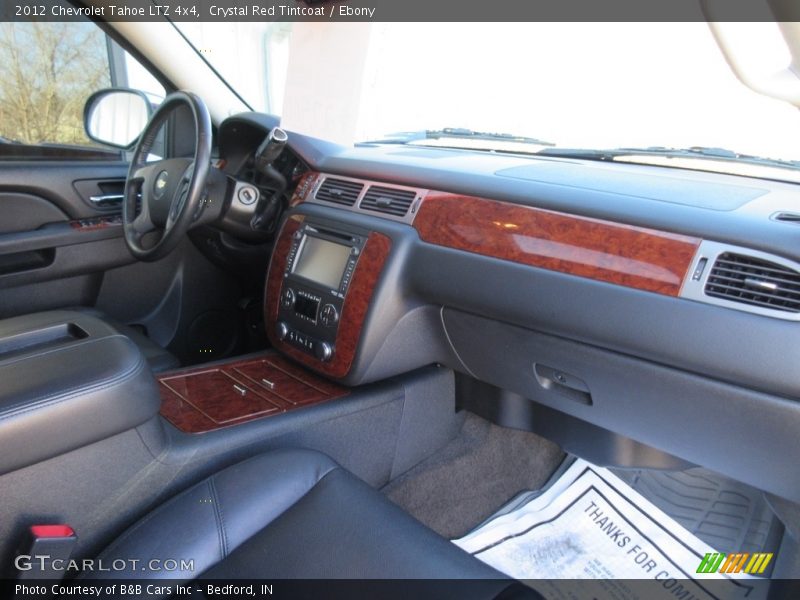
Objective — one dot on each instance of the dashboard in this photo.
(658, 304)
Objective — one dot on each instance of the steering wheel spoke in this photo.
(177, 206)
(141, 174)
(142, 225)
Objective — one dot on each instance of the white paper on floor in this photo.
(590, 525)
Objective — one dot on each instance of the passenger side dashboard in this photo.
(634, 258)
(601, 320)
(657, 304)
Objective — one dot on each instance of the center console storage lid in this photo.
(67, 381)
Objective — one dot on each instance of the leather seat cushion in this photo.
(296, 514)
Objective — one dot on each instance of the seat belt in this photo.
(45, 552)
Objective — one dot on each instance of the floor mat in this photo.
(465, 482)
(721, 512)
(591, 527)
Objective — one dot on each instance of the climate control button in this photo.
(329, 315)
(288, 298)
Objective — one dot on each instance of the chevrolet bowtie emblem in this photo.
(161, 184)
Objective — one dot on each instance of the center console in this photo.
(320, 283)
(319, 287)
(206, 398)
(317, 275)
(67, 379)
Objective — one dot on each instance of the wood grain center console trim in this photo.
(204, 399)
(356, 303)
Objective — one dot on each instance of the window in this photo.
(47, 72)
(583, 86)
(252, 57)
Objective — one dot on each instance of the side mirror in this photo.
(116, 116)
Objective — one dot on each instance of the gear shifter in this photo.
(269, 150)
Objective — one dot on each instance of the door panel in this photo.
(60, 243)
(22, 212)
(101, 194)
(59, 250)
(55, 242)
(58, 293)
(68, 185)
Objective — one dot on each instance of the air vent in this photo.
(753, 281)
(390, 201)
(787, 217)
(339, 191)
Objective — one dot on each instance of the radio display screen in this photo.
(322, 261)
(306, 307)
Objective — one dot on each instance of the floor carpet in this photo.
(475, 474)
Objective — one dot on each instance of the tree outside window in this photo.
(47, 71)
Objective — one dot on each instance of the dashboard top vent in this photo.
(741, 278)
(339, 191)
(390, 201)
(786, 217)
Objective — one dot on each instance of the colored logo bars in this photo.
(716, 562)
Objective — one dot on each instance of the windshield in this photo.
(573, 85)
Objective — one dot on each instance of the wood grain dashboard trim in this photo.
(303, 188)
(356, 303)
(636, 257)
(627, 255)
(203, 399)
(95, 223)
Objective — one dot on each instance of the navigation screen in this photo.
(322, 261)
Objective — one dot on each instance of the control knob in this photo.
(288, 298)
(329, 315)
(282, 330)
(323, 351)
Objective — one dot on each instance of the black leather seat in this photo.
(296, 514)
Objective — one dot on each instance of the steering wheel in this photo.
(171, 190)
